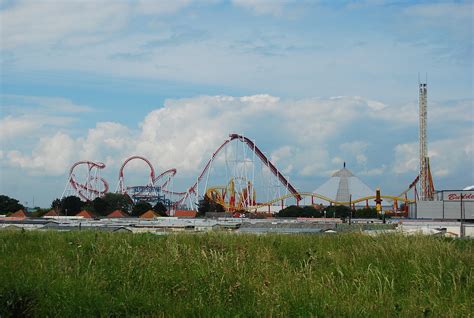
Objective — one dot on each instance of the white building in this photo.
(448, 205)
(343, 185)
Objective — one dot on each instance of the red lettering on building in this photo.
(457, 196)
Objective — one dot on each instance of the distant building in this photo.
(18, 214)
(447, 205)
(342, 185)
(117, 214)
(150, 214)
(185, 213)
(85, 214)
(51, 213)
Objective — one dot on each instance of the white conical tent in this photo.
(342, 185)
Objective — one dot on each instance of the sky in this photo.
(314, 83)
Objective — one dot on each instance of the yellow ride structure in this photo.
(233, 199)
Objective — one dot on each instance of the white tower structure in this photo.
(342, 185)
(426, 182)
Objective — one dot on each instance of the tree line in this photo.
(110, 202)
(102, 206)
(206, 204)
(9, 205)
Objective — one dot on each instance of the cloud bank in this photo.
(306, 138)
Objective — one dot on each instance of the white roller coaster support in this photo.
(196, 199)
(207, 176)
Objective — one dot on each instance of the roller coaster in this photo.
(238, 164)
(87, 185)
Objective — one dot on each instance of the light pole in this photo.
(461, 230)
(350, 207)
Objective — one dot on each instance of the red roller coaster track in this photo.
(267, 162)
(86, 190)
(121, 188)
(253, 147)
(169, 174)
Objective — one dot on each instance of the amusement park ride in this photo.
(235, 174)
(238, 160)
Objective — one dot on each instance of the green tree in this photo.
(100, 206)
(56, 204)
(39, 213)
(117, 201)
(206, 204)
(71, 205)
(8, 205)
(140, 208)
(291, 211)
(369, 213)
(338, 211)
(160, 208)
(88, 207)
(298, 211)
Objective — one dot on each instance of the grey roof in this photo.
(279, 230)
(292, 225)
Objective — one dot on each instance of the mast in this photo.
(426, 183)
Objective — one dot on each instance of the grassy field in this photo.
(80, 274)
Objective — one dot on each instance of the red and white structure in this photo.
(426, 180)
(240, 161)
(85, 181)
(149, 191)
(121, 187)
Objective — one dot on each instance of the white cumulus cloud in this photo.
(52, 156)
(40, 22)
(305, 138)
(259, 7)
(447, 156)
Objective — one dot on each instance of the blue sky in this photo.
(315, 83)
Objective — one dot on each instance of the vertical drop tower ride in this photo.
(426, 180)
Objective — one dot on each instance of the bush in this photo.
(366, 213)
(160, 208)
(71, 205)
(9, 205)
(140, 208)
(206, 204)
(297, 211)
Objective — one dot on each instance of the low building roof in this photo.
(51, 212)
(18, 214)
(185, 213)
(117, 214)
(85, 214)
(150, 214)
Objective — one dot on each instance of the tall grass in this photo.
(218, 274)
